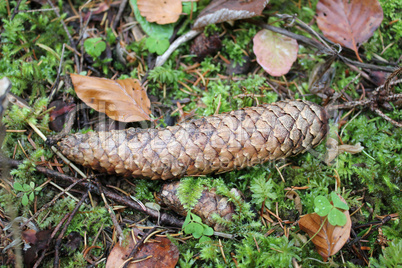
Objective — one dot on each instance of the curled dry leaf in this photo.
(293, 195)
(330, 239)
(349, 23)
(122, 100)
(208, 204)
(227, 10)
(160, 11)
(163, 253)
(333, 149)
(275, 52)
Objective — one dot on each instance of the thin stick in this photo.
(119, 13)
(182, 39)
(63, 231)
(111, 212)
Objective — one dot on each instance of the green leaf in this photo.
(31, 196)
(199, 230)
(24, 200)
(157, 45)
(322, 205)
(338, 203)
(208, 230)
(38, 189)
(152, 29)
(32, 184)
(94, 46)
(187, 7)
(191, 228)
(336, 217)
(26, 187)
(187, 220)
(205, 239)
(196, 218)
(18, 187)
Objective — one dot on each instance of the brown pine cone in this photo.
(208, 204)
(213, 144)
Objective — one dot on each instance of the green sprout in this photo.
(28, 191)
(334, 211)
(193, 225)
(94, 46)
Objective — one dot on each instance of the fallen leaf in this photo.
(349, 23)
(226, 10)
(275, 52)
(333, 149)
(163, 253)
(160, 11)
(293, 195)
(122, 100)
(330, 239)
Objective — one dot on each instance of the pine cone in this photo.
(213, 144)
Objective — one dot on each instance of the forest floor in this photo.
(338, 204)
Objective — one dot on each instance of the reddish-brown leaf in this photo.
(160, 11)
(164, 254)
(349, 23)
(122, 100)
(330, 239)
(224, 10)
(275, 52)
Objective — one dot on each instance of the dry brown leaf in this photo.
(334, 149)
(164, 254)
(330, 239)
(226, 10)
(160, 11)
(349, 23)
(122, 100)
(293, 195)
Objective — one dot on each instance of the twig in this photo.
(15, 11)
(386, 117)
(119, 13)
(119, 231)
(56, 83)
(182, 39)
(67, 32)
(63, 231)
(165, 219)
(59, 225)
(51, 202)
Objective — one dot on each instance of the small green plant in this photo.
(334, 211)
(157, 45)
(94, 46)
(28, 191)
(193, 225)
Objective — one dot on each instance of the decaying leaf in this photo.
(160, 11)
(349, 23)
(209, 203)
(333, 149)
(275, 52)
(161, 252)
(330, 239)
(227, 10)
(122, 100)
(293, 195)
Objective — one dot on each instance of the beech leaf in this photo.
(161, 251)
(331, 238)
(226, 10)
(275, 52)
(160, 11)
(349, 23)
(123, 100)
